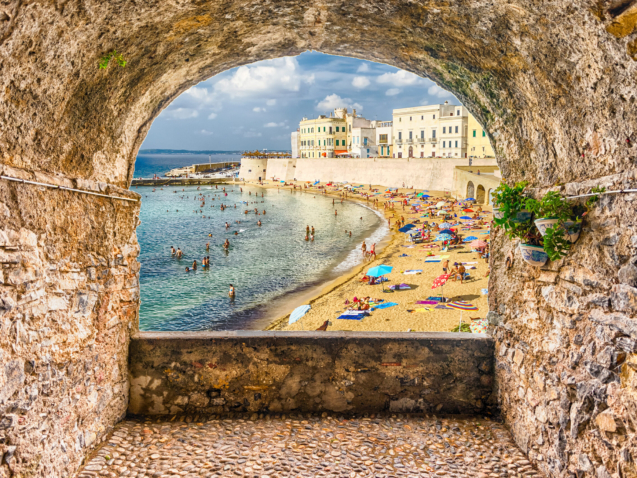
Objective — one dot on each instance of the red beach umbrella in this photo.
(468, 210)
(439, 282)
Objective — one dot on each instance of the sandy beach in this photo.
(402, 255)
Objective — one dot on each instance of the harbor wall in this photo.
(421, 173)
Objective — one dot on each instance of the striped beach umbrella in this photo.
(461, 305)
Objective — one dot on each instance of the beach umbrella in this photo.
(440, 282)
(470, 199)
(477, 244)
(379, 271)
(440, 203)
(461, 305)
(407, 228)
(443, 237)
(470, 238)
(447, 231)
(298, 313)
(465, 217)
(444, 225)
(468, 210)
(441, 212)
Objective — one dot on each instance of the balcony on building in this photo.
(433, 140)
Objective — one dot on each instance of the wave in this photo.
(355, 256)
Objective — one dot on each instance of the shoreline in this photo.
(411, 264)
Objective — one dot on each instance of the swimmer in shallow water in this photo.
(226, 245)
(259, 223)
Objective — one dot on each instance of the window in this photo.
(483, 134)
(433, 134)
(422, 134)
(350, 128)
(337, 142)
(382, 138)
(400, 120)
(411, 135)
(444, 129)
(451, 114)
(474, 133)
(434, 116)
(365, 143)
(456, 129)
(400, 135)
(444, 144)
(330, 130)
(422, 117)
(456, 144)
(457, 114)
(410, 118)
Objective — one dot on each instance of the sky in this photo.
(257, 106)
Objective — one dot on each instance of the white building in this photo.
(384, 137)
(431, 131)
(364, 142)
(296, 143)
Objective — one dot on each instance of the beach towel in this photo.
(415, 271)
(465, 263)
(423, 309)
(462, 305)
(435, 299)
(351, 317)
(427, 302)
(385, 305)
(479, 326)
(402, 286)
(440, 306)
(430, 261)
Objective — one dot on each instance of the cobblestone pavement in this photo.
(309, 446)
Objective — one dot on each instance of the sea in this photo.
(267, 265)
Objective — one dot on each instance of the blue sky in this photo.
(259, 105)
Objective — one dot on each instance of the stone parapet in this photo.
(221, 372)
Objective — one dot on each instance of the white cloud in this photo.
(273, 125)
(360, 82)
(363, 68)
(258, 109)
(334, 101)
(212, 115)
(393, 91)
(399, 78)
(280, 75)
(181, 113)
(435, 90)
(273, 102)
(251, 134)
(206, 132)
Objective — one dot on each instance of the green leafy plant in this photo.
(462, 328)
(117, 57)
(510, 201)
(556, 245)
(590, 202)
(552, 205)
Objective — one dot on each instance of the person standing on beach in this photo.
(372, 251)
(312, 230)
(335, 213)
(364, 248)
(445, 266)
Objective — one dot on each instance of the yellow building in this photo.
(478, 145)
(325, 136)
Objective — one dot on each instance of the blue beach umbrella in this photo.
(444, 225)
(469, 239)
(298, 313)
(380, 270)
(470, 199)
(407, 228)
(446, 231)
(465, 217)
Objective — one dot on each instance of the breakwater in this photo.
(179, 181)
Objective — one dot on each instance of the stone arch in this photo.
(480, 194)
(551, 119)
(470, 190)
(490, 196)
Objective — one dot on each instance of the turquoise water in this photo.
(265, 264)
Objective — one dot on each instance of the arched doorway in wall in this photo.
(480, 194)
(411, 151)
(470, 190)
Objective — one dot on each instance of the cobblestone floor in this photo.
(309, 446)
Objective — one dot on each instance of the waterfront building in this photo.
(325, 136)
(364, 142)
(384, 135)
(478, 144)
(296, 143)
(430, 131)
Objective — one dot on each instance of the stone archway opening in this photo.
(480, 194)
(553, 88)
(470, 190)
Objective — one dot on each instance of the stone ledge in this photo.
(274, 371)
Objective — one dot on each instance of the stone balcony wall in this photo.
(69, 297)
(222, 372)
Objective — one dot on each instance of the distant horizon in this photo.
(200, 151)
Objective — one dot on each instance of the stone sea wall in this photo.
(69, 298)
(221, 372)
(566, 343)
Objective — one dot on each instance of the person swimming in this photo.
(231, 292)
(259, 223)
(226, 245)
(179, 253)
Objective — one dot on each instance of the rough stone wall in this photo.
(566, 343)
(221, 372)
(69, 296)
(553, 82)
